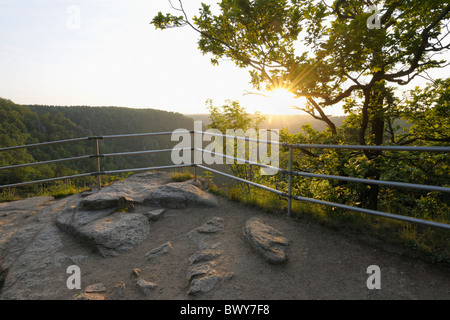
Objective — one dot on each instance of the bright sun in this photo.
(281, 100)
(281, 94)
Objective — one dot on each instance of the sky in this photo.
(106, 53)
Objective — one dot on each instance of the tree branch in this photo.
(323, 116)
(420, 50)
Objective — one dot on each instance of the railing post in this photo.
(195, 172)
(97, 154)
(290, 183)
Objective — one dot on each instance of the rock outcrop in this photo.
(32, 231)
(103, 221)
(114, 221)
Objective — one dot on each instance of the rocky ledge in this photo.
(33, 256)
(106, 221)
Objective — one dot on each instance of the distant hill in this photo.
(293, 123)
(21, 125)
(117, 120)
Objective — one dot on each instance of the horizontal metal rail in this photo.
(333, 204)
(88, 138)
(243, 160)
(289, 172)
(143, 152)
(133, 135)
(338, 146)
(47, 162)
(332, 177)
(149, 168)
(47, 180)
(374, 212)
(95, 174)
(373, 182)
(283, 144)
(360, 147)
(241, 138)
(243, 180)
(44, 144)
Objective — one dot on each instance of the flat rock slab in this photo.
(204, 255)
(24, 205)
(34, 268)
(105, 200)
(267, 241)
(116, 233)
(72, 218)
(203, 284)
(145, 286)
(179, 196)
(211, 226)
(124, 193)
(110, 232)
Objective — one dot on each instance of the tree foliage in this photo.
(324, 50)
(232, 116)
(343, 52)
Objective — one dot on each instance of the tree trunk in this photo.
(369, 196)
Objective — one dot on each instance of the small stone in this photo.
(95, 288)
(126, 204)
(155, 214)
(202, 285)
(228, 275)
(121, 289)
(204, 255)
(162, 249)
(118, 290)
(146, 286)
(211, 226)
(200, 270)
(136, 272)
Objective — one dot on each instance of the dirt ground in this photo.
(322, 263)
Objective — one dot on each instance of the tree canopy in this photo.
(326, 51)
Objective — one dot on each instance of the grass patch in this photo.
(181, 176)
(57, 190)
(62, 189)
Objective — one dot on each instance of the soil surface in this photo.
(321, 264)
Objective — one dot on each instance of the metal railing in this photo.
(97, 156)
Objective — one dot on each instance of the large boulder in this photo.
(110, 232)
(267, 241)
(97, 219)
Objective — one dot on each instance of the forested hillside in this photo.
(21, 125)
